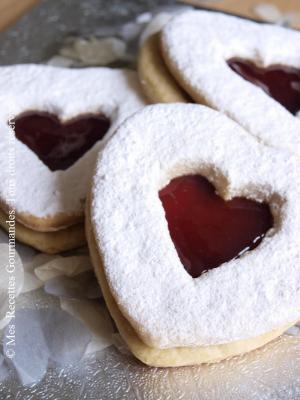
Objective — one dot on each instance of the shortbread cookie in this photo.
(170, 357)
(48, 242)
(61, 119)
(178, 294)
(157, 82)
(249, 71)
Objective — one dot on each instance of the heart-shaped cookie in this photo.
(166, 316)
(79, 108)
(202, 48)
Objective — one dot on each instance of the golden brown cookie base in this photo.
(157, 82)
(161, 81)
(46, 224)
(173, 357)
(48, 242)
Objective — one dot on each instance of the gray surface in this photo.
(38, 34)
(270, 373)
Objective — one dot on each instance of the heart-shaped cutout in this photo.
(280, 82)
(207, 230)
(59, 145)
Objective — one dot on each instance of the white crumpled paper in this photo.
(62, 335)
(41, 336)
(11, 283)
(92, 51)
(58, 266)
(271, 13)
(95, 316)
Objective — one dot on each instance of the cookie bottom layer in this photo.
(161, 81)
(157, 82)
(173, 357)
(45, 224)
(47, 242)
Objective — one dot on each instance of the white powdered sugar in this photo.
(67, 93)
(197, 45)
(242, 298)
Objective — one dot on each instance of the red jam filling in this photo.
(278, 81)
(206, 230)
(58, 144)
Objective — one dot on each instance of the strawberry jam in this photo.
(206, 230)
(59, 145)
(278, 81)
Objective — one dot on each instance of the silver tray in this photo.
(272, 372)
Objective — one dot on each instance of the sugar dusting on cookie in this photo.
(66, 94)
(241, 299)
(197, 46)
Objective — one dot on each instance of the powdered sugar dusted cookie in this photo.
(61, 119)
(248, 70)
(193, 231)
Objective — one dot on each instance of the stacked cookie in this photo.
(195, 242)
(191, 214)
(235, 66)
(174, 262)
(61, 119)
